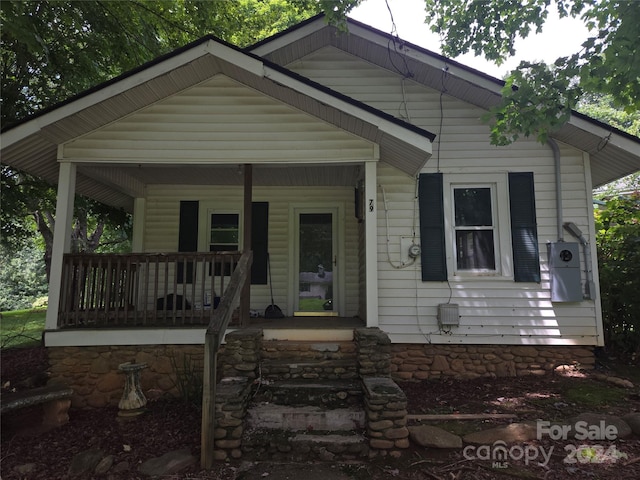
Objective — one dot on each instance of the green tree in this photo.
(51, 51)
(538, 98)
(618, 238)
(22, 277)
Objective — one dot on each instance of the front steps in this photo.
(308, 404)
(305, 400)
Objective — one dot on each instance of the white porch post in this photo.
(61, 238)
(371, 242)
(137, 240)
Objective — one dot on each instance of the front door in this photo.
(316, 279)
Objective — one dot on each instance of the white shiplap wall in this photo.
(162, 217)
(493, 310)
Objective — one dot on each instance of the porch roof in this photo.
(33, 145)
(613, 152)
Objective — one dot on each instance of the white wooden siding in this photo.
(162, 221)
(219, 121)
(493, 310)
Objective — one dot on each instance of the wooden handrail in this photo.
(213, 338)
(143, 289)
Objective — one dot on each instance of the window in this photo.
(224, 236)
(478, 224)
(224, 232)
(474, 225)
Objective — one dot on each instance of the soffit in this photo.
(613, 154)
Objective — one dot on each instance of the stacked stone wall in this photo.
(374, 352)
(385, 405)
(93, 372)
(421, 362)
(308, 360)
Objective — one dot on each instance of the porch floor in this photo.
(334, 323)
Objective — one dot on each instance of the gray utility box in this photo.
(564, 270)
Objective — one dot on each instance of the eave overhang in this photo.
(33, 145)
(612, 152)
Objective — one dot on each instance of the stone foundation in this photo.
(93, 372)
(422, 362)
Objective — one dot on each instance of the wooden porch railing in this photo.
(213, 338)
(158, 289)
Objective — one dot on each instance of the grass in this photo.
(21, 328)
(311, 305)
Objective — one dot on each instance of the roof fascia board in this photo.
(412, 138)
(282, 40)
(621, 141)
(38, 123)
(428, 57)
(235, 57)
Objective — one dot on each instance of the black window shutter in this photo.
(434, 260)
(187, 236)
(524, 232)
(259, 242)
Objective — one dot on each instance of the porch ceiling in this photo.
(33, 145)
(263, 175)
(613, 153)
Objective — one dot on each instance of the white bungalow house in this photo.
(356, 151)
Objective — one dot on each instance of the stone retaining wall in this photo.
(421, 362)
(93, 372)
(385, 405)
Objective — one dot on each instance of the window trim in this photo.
(501, 228)
(204, 221)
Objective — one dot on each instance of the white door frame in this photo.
(337, 211)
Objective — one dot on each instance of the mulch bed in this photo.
(171, 424)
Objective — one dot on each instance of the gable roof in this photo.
(613, 152)
(32, 145)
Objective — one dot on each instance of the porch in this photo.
(161, 290)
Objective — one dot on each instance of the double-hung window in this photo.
(224, 232)
(478, 224)
(474, 224)
(224, 236)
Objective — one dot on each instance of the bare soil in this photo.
(172, 424)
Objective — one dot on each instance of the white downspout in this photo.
(556, 158)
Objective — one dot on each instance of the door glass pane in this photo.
(315, 289)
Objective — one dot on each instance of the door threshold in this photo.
(316, 314)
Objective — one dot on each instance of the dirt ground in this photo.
(171, 424)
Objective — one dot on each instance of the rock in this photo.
(121, 467)
(104, 465)
(25, 469)
(633, 420)
(512, 433)
(434, 437)
(85, 462)
(620, 382)
(592, 423)
(168, 464)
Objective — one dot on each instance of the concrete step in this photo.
(281, 445)
(321, 393)
(309, 418)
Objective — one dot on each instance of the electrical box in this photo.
(564, 271)
(448, 315)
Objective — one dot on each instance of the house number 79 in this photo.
(371, 204)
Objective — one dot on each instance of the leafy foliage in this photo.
(51, 51)
(618, 238)
(22, 277)
(538, 98)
